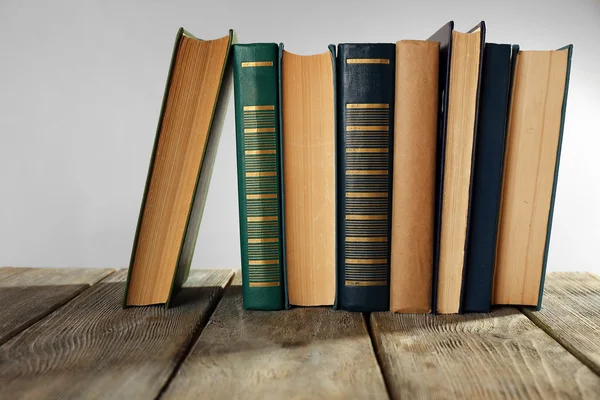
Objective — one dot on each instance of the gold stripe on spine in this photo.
(262, 218)
(260, 174)
(366, 194)
(367, 105)
(264, 240)
(259, 130)
(263, 284)
(364, 128)
(355, 239)
(259, 108)
(366, 172)
(259, 140)
(367, 150)
(257, 152)
(366, 261)
(367, 61)
(365, 283)
(367, 156)
(263, 262)
(352, 217)
(261, 196)
(247, 64)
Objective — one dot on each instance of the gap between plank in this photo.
(195, 336)
(548, 331)
(367, 319)
(58, 305)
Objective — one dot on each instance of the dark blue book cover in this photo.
(365, 102)
(444, 37)
(487, 179)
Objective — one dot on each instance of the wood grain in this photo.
(29, 294)
(308, 118)
(92, 348)
(5, 272)
(477, 356)
(303, 353)
(571, 314)
(534, 126)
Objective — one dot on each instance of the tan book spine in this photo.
(308, 117)
(415, 126)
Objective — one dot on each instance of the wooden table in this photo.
(63, 334)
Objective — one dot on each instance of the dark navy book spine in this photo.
(365, 101)
(487, 179)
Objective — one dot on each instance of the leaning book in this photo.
(185, 146)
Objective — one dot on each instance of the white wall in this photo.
(81, 84)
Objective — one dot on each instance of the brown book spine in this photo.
(413, 198)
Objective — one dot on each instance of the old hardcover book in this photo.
(365, 101)
(309, 176)
(535, 126)
(414, 157)
(256, 88)
(444, 37)
(196, 95)
(487, 179)
(465, 51)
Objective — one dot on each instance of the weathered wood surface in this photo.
(571, 314)
(477, 356)
(92, 348)
(5, 272)
(309, 353)
(29, 294)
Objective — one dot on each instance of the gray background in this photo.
(81, 84)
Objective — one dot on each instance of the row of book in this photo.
(413, 177)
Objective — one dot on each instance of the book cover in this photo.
(365, 106)
(215, 109)
(487, 178)
(444, 37)
(456, 161)
(256, 88)
(413, 183)
(538, 100)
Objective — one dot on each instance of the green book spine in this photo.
(255, 82)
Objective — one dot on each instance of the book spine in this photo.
(487, 179)
(444, 37)
(365, 102)
(255, 70)
(569, 49)
(414, 178)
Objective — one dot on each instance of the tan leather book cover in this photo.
(412, 241)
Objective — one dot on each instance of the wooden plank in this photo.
(571, 314)
(5, 272)
(476, 356)
(92, 348)
(299, 353)
(29, 294)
